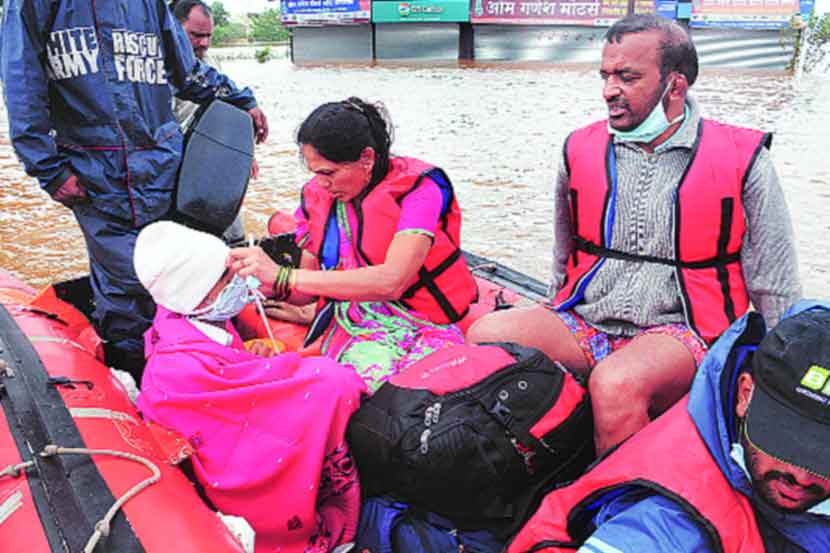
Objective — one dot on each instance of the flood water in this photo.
(496, 130)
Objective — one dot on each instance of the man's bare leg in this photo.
(635, 384)
(535, 327)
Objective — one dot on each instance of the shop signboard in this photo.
(743, 14)
(420, 11)
(667, 8)
(555, 12)
(325, 12)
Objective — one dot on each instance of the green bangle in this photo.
(277, 286)
(282, 286)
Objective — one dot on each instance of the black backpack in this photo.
(477, 434)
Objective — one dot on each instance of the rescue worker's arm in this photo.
(654, 524)
(768, 258)
(198, 82)
(26, 94)
(563, 242)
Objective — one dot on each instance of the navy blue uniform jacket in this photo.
(87, 86)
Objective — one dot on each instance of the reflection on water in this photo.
(498, 131)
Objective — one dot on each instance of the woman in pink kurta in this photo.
(380, 238)
(267, 432)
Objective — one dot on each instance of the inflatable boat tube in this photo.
(79, 469)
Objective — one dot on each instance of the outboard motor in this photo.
(216, 166)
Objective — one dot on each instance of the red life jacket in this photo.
(708, 221)
(445, 288)
(650, 460)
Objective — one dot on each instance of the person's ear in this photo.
(367, 157)
(679, 85)
(745, 386)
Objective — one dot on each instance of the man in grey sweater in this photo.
(667, 227)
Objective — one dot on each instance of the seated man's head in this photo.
(185, 272)
(785, 429)
(648, 64)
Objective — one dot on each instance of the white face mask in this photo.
(231, 300)
(653, 126)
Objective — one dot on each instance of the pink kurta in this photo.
(268, 434)
(381, 339)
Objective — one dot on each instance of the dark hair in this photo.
(182, 8)
(340, 131)
(677, 51)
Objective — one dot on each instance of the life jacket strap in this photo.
(427, 279)
(601, 251)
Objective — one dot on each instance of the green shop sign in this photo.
(419, 11)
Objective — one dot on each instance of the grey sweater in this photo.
(625, 296)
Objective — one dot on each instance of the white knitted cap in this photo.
(178, 265)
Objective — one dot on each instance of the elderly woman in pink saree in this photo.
(267, 431)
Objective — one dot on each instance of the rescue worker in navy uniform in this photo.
(668, 225)
(742, 465)
(87, 86)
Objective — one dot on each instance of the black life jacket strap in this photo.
(427, 279)
(601, 251)
(727, 209)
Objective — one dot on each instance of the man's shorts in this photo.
(597, 345)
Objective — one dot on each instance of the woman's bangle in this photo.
(292, 281)
(283, 283)
(286, 283)
(279, 284)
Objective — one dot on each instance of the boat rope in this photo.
(100, 413)
(10, 505)
(58, 340)
(14, 470)
(258, 296)
(102, 527)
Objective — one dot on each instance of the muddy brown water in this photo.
(498, 132)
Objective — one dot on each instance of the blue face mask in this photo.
(231, 300)
(653, 126)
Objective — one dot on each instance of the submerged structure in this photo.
(731, 33)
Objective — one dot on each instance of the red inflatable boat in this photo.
(79, 469)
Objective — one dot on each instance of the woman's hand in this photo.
(384, 282)
(71, 192)
(302, 314)
(254, 261)
(262, 347)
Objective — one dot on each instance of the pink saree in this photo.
(377, 339)
(268, 434)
